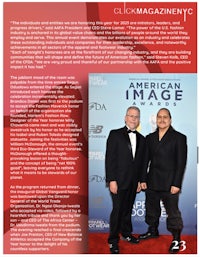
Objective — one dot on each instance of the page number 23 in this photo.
(182, 245)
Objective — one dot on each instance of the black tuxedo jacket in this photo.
(167, 160)
(120, 165)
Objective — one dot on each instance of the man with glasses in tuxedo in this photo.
(124, 165)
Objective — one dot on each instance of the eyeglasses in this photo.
(133, 116)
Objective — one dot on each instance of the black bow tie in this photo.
(131, 131)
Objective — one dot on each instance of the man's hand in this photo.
(174, 190)
(143, 185)
(138, 187)
(113, 187)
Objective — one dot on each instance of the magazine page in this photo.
(71, 70)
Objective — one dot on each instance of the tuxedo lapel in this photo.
(137, 143)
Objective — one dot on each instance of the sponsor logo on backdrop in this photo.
(97, 178)
(163, 214)
(154, 93)
(138, 211)
(96, 80)
(97, 156)
(96, 224)
(97, 106)
(95, 131)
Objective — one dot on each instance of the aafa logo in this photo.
(96, 178)
(97, 107)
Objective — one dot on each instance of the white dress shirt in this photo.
(132, 137)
